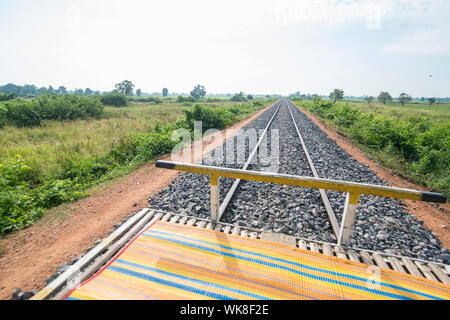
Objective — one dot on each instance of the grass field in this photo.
(46, 147)
(56, 162)
(438, 113)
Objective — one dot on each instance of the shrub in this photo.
(22, 113)
(67, 107)
(7, 96)
(3, 116)
(114, 99)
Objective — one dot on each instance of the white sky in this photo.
(312, 46)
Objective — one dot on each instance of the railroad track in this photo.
(101, 254)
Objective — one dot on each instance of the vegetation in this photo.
(114, 99)
(384, 97)
(165, 92)
(404, 98)
(198, 92)
(25, 113)
(42, 167)
(337, 95)
(411, 145)
(125, 87)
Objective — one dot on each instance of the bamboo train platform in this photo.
(161, 255)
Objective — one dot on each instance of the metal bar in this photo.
(348, 218)
(214, 202)
(235, 185)
(333, 220)
(309, 182)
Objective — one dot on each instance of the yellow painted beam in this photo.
(308, 182)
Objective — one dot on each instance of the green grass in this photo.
(44, 148)
(439, 113)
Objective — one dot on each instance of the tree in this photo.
(384, 97)
(61, 90)
(337, 95)
(126, 87)
(79, 92)
(138, 92)
(198, 92)
(249, 97)
(165, 92)
(88, 91)
(238, 97)
(369, 99)
(51, 90)
(431, 101)
(28, 90)
(404, 98)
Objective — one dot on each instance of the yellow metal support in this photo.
(308, 182)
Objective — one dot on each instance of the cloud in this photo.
(332, 12)
(432, 40)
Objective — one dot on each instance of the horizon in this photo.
(363, 47)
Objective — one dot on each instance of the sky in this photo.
(258, 47)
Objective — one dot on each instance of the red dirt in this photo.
(35, 253)
(435, 220)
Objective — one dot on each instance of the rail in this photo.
(353, 189)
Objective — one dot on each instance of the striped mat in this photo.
(169, 261)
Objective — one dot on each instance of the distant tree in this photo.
(238, 97)
(404, 98)
(431, 101)
(337, 95)
(422, 99)
(138, 92)
(79, 92)
(10, 88)
(369, 99)
(165, 92)
(198, 92)
(41, 90)
(88, 91)
(125, 87)
(61, 90)
(384, 97)
(250, 97)
(28, 90)
(51, 90)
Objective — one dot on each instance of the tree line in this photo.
(384, 97)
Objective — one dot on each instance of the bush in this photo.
(181, 99)
(7, 96)
(67, 107)
(3, 116)
(22, 113)
(115, 99)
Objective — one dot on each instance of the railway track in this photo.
(256, 209)
(382, 224)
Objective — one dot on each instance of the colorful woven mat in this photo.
(170, 261)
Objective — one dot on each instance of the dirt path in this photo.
(35, 253)
(435, 220)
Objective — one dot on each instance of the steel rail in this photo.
(236, 183)
(333, 220)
